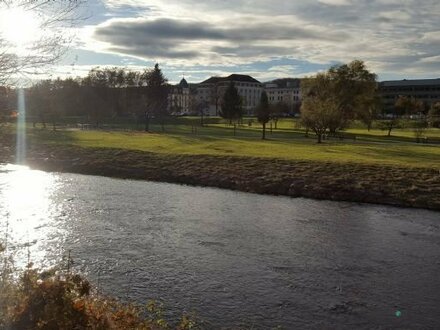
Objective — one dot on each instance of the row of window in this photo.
(410, 89)
(393, 96)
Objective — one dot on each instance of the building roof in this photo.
(183, 83)
(232, 77)
(241, 78)
(212, 80)
(411, 82)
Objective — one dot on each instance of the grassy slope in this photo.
(285, 143)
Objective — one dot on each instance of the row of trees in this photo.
(102, 93)
(331, 100)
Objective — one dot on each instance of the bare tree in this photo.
(53, 18)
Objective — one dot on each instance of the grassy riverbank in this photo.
(370, 169)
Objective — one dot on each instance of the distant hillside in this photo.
(284, 82)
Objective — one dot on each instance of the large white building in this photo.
(211, 92)
(286, 90)
(184, 97)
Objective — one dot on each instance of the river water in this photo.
(237, 260)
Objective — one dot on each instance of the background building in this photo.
(180, 98)
(286, 90)
(425, 90)
(212, 90)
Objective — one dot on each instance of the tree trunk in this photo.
(235, 127)
(147, 122)
(389, 130)
(264, 131)
(319, 138)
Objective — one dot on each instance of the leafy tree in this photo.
(263, 112)
(405, 105)
(355, 90)
(231, 108)
(334, 98)
(368, 111)
(320, 107)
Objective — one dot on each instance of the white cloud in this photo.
(336, 2)
(390, 35)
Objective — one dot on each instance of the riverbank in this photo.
(354, 182)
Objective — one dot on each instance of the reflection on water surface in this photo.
(236, 259)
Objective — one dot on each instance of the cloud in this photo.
(392, 36)
(336, 2)
(166, 38)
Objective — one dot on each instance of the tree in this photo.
(368, 111)
(32, 56)
(434, 115)
(157, 96)
(355, 90)
(8, 103)
(320, 106)
(278, 110)
(201, 107)
(263, 112)
(419, 127)
(231, 108)
(334, 98)
(403, 106)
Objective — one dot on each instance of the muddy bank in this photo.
(409, 187)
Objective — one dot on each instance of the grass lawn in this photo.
(286, 142)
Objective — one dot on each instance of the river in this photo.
(237, 260)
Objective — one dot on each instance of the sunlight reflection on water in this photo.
(26, 205)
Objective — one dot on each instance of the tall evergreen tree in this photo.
(263, 112)
(231, 107)
(157, 96)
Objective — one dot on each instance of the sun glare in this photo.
(26, 207)
(19, 27)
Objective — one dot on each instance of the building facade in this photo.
(211, 92)
(287, 91)
(180, 99)
(425, 90)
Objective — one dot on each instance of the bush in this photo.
(57, 299)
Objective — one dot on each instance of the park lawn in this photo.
(218, 140)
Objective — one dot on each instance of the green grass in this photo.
(286, 142)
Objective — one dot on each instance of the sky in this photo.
(397, 39)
